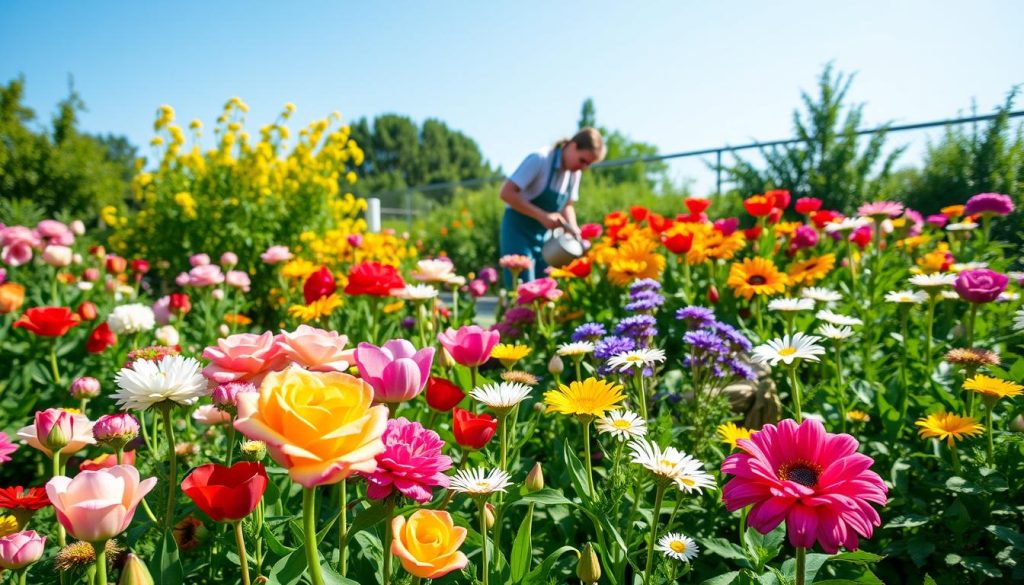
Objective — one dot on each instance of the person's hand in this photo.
(552, 220)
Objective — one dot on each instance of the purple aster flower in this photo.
(408, 323)
(589, 332)
(644, 284)
(612, 345)
(740, 369)
(637, 326)
(643, 306)
(696, 317)
(520, 316)
(736, 340)
(704, 341)
(989, 204)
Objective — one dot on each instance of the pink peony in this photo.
(814, 480)
(199, 260)
(238, 279)
(55, 232)
(989, 204)
(470, 346)
(205, 275)
(396, 370)
(411, 462)
(541, 289)
(276, 255)
(18, 242)
(6, 448)
(243, 357)
(316, 349)
(182, 279)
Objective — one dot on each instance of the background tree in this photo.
(647, 176)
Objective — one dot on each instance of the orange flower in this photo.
(756, 276)
(812, 270)
(12, 296)
(427, 544)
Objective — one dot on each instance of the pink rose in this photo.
(229, 260)
(243, 357)
(205, 275)
(316, 349)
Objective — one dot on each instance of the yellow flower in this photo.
(509, 354)
(858, 416)
(591, 398)
(8, 525)
(990, 387)
(187, 204)
(932, 262)
(320, 426)
(948, 426)
(236, 319)
(812, 270)
(298, 269)
(393, 307)
(318, 308)
(730, 433)
(427, 544)
(756, 276)
(634, 259)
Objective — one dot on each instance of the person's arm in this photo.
(569, 211)
(511, 194)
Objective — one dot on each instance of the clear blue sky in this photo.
(512, 75)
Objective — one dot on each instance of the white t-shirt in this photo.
(534, 174)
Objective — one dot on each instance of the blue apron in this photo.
(521, 234)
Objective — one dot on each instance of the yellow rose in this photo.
(320, 426)
(428, 544)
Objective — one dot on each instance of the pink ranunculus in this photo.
(396, 371)
(470, 345)
(316, 349)
(477, 287)
(205, 275)
(238, 279)
(210, 415)
(229, 260)
(6, 448)
(19, 234)
(162, 310)
(243, 357)
(55, 232)
(989, 204)
(182, 279)
(814, 480)
(199, 260)
(21, 549)
(276, 255)
(116, 428)
(16, 254)
(57, 256)
(75, 428)
(541, 289)
(96, 506)
(411, 463)
(980, 285)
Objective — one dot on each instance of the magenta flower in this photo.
(981, 285)
(989, 204)
(470, 346)
(411, 462)
(938, 220)
(814, 480)
(6, 448)
(396, 370)
(541, 289)
(880, 209)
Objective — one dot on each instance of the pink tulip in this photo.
(243, 357)
(316, 349)
(91, 274)
(470, 346)
(21, 549)
(396, 370)
(276, 255)
(53, 427)
(96, 506)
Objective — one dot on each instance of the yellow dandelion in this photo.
(589, 398)
(730, 433)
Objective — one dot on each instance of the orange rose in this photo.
(428, 544)
(12, 296)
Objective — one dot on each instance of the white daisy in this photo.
(914, 297)
(626, 360)
(479, 481)
(501, 396)
(847, 224)
(622, 424)
(84, 285)
(787, 349)
(146, 383)
(1007, 296)
(837, 319)
(963, 226)
(687, 473)
(821, 295)
(678, 546)
(1018, 320)
(788, 305)
(131, 318)
(837, 333)
(935, 280)
(961, 266)
(415, 292)
(949, 295)
(576, 349)
(455, 281)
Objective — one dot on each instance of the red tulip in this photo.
(179, 304)
(774, 215)
(639, 213)
(116, 264)
(759, 205)
(678, 243)
(318, 285)
(48, 321)
(806, 205)
(442, 394)
(823, 218)
(87, 311)
(140, 266)
(472, 431)
(373, 278)
(589, 231)
(782, 197)
(752, 233)
(713, 294)
(697, 205)
(226, 494)
(100, 339)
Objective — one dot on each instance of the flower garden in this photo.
(816, 397)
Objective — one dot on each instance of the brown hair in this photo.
(586, 139)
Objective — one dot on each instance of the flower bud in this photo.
(91, 274)
(115, 430)
(224, 330)
(218, 294)
(254, 450)
(489, 514)
(77, 227)
(535, 479)
(167, 335)
(135, 572)
(57, 256)
(85, 387)
(76, 258)
(555, 365)
(225, 396)
(1017, 424)
(87, 311)
(445, 359)
(229, 260)
(54, 428)
(589, 568)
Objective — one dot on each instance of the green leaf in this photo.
(928, 580)
(331, 577)
(920, 548)
(814, 562)
(522, 548)
(273, 542)
(577, 473)
(546, 496)
(907, 521)
(724, 548)
(289, 569)
(539, 576)
(860, 556)
(961, 485)
(167, 563)
(1007, 534)
(366, 519)
(723, 579)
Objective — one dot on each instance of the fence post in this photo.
(718, 172)
(373, 215)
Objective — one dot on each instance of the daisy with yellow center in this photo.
(508, 354)
(730, 433)
(950, 428)
(756, 276)
(585, 400)
(678, 546)
(812, 270)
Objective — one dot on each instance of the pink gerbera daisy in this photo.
(880, 209)
(411, 462)
(6, 448)
(814, 480)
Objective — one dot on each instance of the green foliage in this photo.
(830, 163)
(620, 146)
(61, 170)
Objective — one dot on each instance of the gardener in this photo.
(539, 196)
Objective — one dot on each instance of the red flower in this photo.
(861, 237)
(823, 218)
(116, 264)
(318, 285)
(226, 494)
(48, 321)
(179, 304)
(806, 205)
(774, 215)
(658, 223)
(87, 311)
(19, 498)
(589, 231)
(639, 213)
(678, 243)
(140, 266)
(106, 460)
(373, 278)
(442, 394)
(472, 431)
(697, 205)
(752, 233)
(759, 205)
(713, 294)
(579, 267)
(782, 197)
(100, 339)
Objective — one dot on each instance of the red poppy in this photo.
(806, 205)
(87, 311)
(106, 460)
(318, 285)
(48, 321)
(639, 213)
(373, 278)
(658, 222)
(781, 196)
(697, 205)
(442, 394)
(116, 264)
(589, 231)
(226, 494)
(472, 431)
(678, 243)
(179, 304)
(752, 233)
(579, 267)
(759, 205)
(823, 218)
(100, 339)
(20, 498)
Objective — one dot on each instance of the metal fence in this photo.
(402, 200)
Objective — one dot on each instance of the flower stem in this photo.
(795, 387)
(231, 442)
(954, 456)
(989, 451)
(119, 454)
(172, 473)
(342, 527)
(53, 362)
(243, 561)
(970, 324)
(643, 392)
(22, 574)
(843, 405)
(659, 496)
(743, 525)
(801, 565)
(928, 337)
(61, 539)
(587, 420)
(388, 537)
(309, 526)
(503, 439)
(101, 561)
(483, 541)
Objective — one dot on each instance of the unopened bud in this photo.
(535, 479)
(489, 514)
(254, 450)
(135, 572)
(555, 365)
(589, 568)
(1017, 424)
(446, 359)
